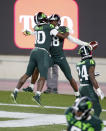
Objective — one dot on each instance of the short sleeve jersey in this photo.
(92, 124)
(43, 37)
(83, 70)
(56, 48)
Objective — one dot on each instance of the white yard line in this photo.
(23, 105)
(31, 119)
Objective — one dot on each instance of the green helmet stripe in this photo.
(89, 104)
(43, 15)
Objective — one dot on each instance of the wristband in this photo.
(77, 93)
(98, 90)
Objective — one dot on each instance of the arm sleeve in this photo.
(33, 33)
(30, 32)
(77, 41)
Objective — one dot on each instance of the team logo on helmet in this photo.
(85, 52)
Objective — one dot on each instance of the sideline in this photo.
(23, 105)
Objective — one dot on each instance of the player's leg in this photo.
(19, 85)
(49, 79)
(34, 78)
(43, 60)
(63, 64)
(30, 69)
(96, 104)
(40, 85)
(73, 84)
(89, 91)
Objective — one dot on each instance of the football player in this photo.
(86, 73)
(57, 52)
(79, 117)
(40, 56)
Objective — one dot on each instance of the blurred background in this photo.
(91, 25)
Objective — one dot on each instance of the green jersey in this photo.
(43, 37)
(57, 53)
(92, 123)
(83, 70)
(86, 86)
(56, 49)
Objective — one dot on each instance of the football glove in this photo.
(100, 93)
(77, 94)
(26, 33)
(53, 32)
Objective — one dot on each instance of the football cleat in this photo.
(36, 98)
(28, 89)
(14, 96)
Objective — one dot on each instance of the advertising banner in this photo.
(24, 11)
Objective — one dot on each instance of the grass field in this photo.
(26, 105)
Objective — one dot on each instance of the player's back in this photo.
(44, 38)
(83, 70)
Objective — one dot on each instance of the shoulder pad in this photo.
(36, 28)
(63, 29)
(92, 62)
(80, 63)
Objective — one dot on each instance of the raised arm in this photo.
(58, 34)
(76, 41)
(27, 33)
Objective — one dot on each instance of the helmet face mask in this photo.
(55, 17)
(85, 52)
(82, 108)
(40, 18)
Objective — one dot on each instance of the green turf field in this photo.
(57, 100)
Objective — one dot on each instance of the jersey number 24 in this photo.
(82, 72)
